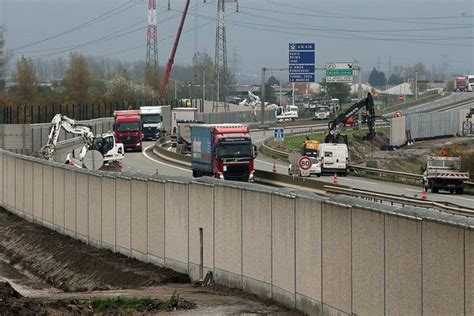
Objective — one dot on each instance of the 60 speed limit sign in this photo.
(304, 163)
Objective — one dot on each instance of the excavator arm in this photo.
(70, 126)
(334, 126)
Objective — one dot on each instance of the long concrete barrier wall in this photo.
(332, 257)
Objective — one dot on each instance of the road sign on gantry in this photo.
(301, 60)
(305, 163)
(339, 72)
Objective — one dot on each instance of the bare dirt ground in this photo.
(408, 158)
(50, 266)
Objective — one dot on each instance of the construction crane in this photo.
(169, 66)
(105, 144)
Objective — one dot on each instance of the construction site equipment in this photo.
(443, 173)
(169, 66)
(105, 144)
(337, 125)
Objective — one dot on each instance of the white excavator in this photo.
(98, 150)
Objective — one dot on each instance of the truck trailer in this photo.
(127, 129)
(223, 151)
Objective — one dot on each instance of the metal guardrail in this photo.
(446, 207)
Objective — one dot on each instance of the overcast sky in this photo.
(343, 30)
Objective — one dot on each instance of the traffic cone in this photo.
(423, 194)
(274, 168)
(334, 180)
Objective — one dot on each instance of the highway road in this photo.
(147, 162)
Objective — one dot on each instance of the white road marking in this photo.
(454, 196)
(417, 191)
(162, 163)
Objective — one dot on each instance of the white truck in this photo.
(443, 173)
(153, 120)
(289, 113)
(470, 83)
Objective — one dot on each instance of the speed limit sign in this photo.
(304, 163)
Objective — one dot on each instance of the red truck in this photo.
(460, 84)
(128, 129)
(223, 151)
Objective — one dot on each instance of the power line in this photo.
(104, 16)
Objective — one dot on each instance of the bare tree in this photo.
(77, 80)
(26, 83)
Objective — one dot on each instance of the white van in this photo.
(334, 158)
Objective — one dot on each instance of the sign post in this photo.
(279, 134)
(305, 164)
(339, 72)
(301, 60)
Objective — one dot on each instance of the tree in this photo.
(77, 80)
(339, 90)
(394, 80)
(152, 78)
(377, 78)
(203, 66)
(26, 84)
(273, 81)
(4, 59)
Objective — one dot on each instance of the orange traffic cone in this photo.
(274, 168)
(423, 194)
(334, 180)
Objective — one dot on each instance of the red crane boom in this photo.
(166, 78)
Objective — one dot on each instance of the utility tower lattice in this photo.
(220, 60)
(151, 71)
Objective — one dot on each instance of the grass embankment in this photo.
(119, 305)
(295, 142)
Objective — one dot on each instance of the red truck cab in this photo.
(128, 130)
(223, 151)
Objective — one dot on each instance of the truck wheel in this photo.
(460, 191)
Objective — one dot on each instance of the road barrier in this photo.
(322, 256)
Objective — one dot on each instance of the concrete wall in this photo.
(333, 257)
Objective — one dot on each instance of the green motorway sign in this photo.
(338, 72)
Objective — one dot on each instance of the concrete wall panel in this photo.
(82, 205)
(337, 256)
(201, 215)
(20, 185)
(108, 211)
(156, 219)
(283, 243)
(37, 190)
(58, 189)
(308, 248)
(28, 187)
(257, 237)
(367, 262)
(402, 266)
(48, 184)
(95, 208)
(70, 195)
(123, 218)
(228, 202)
(176, 240)
(469, 290)
(2, 174)
(443, 269)
(10, 181)
(139, 216)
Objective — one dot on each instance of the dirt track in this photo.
(72, 268)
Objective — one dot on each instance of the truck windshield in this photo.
(151, 118)
(235, 150)
(128, 127)
(471, 80)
